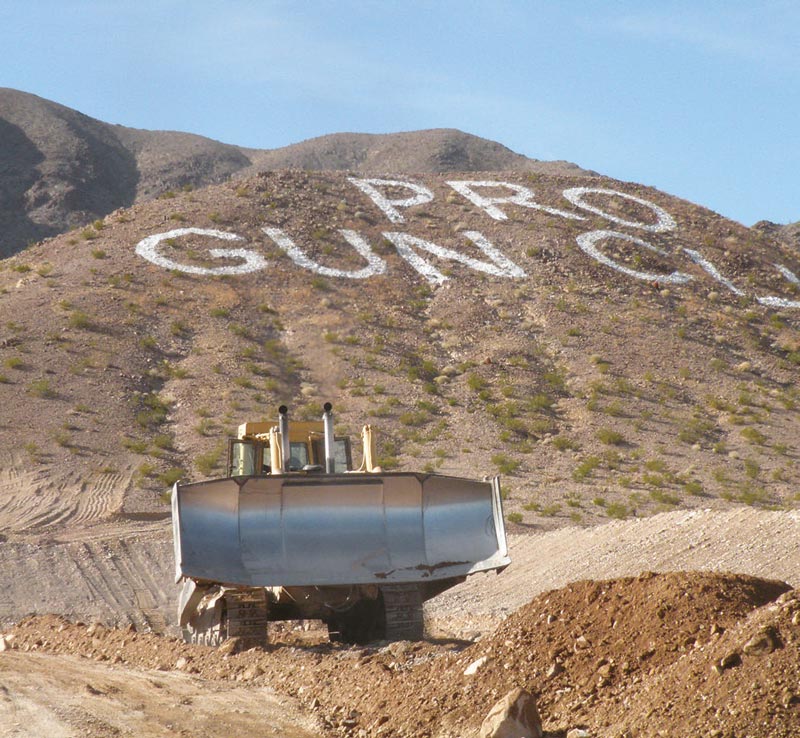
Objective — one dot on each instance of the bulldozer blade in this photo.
(337, 529)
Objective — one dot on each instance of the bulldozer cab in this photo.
(250, 454)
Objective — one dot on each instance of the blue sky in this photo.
(700, 99)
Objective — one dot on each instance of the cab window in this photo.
(241, 458)
(299, 456)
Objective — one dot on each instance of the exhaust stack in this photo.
(283, 427)
(327, 420)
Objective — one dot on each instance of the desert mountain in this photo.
(609, 349)
(60, 169)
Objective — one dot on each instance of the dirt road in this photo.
(69, 697)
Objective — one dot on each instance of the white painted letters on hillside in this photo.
(389, 207)
(490, 197)
(587, 243)
(781, 302)
(500, 266)
(523, 196)
(698, 258)
(253, 262)
(665, 222)
(375, 265)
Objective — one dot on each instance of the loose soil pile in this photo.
(698, 653)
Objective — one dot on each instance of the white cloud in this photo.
(756, 33)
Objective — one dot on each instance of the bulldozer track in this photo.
(247, 616)
(403, 609)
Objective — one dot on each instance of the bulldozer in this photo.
(294, 532)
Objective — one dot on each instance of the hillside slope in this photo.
(611, 352)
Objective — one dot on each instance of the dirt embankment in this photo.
(705, 653)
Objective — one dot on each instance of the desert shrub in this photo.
(41, 388)
(206, 463)
(752, 468)
(476, 382)
(693, 487)
(655, 465)
(79, 319)
(163, 441)
(665, 498)
(135, 445)
(505, 464)
(172, 475)
(585, 468)
(610, 437)
(752, 435)
(694, 430)
(62, 438)
(617, 510)
(540, 402)
(154, 412)
(564, 443)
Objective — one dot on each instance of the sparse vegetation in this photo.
(505, 464)
(42, 388)
(610, 437)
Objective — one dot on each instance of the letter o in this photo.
(665, 221)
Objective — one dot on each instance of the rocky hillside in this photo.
(610, 350)
(60, 169)
(789, 233)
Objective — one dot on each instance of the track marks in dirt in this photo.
(34, 501)
(114, 580)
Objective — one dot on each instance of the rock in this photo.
(229, 647)
(251, 672)
(788, 698)
(727, 662)
(578, 733)
(765, 641)
(181, 663)
(554, 670)
(5, 644)
(475, 665)
(582, 642)
(96, 629)
(514, 716)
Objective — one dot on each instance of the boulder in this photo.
(514, 716)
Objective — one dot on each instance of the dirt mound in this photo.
(584, 649)
(652, 653)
